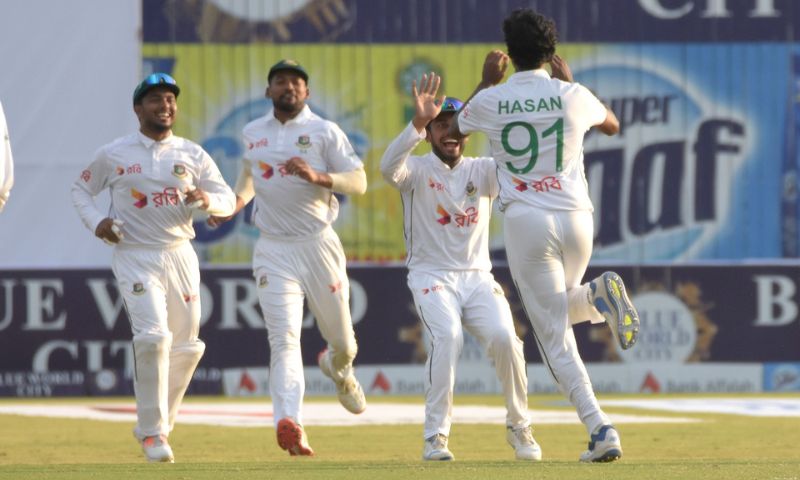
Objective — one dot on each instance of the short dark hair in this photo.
(531, 38)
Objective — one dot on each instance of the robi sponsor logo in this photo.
(444, 216)
(267, 170)
(141, 198)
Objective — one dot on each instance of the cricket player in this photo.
(294, 162)
(447, 201)
(6, 161)
(536, 124)
(156, 180)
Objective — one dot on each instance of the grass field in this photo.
(718, 447)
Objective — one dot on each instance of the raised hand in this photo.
(494, 68)
(426, 104)
(560, 69)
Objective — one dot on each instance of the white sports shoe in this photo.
(609, 298)
(525, 447)
(604, 446)
(349, 391)
(436, 449)
(156, 449)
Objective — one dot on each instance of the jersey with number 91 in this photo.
(536, 126)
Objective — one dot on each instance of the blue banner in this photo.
(458, 21)
(73, 320)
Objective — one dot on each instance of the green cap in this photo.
(287, 64)
(152, 81)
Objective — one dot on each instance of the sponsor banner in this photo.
(676, 378)
(42, 384)
(363, 21)
(104, 382)
(684, 180)
(375, 380)
(705, 168)
(481, 379)
(73, 320)
(246, 382)
(782, 377)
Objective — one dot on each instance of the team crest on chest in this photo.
(179, 170)
(303, 142)
(471, 190)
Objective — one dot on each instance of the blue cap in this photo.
(152, 81)
(451, 104)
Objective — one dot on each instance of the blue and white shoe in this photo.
(604, 446)
(610, 299)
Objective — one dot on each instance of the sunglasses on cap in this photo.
(451, 104)
(152, 81)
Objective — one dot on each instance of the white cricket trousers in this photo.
(548, 252)
(286, 273)
(447, 300)
(161, 290)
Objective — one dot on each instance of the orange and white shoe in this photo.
(157, 449)
(292, 438)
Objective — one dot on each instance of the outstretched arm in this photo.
(427, 106)
(494, 69)
(560, 70)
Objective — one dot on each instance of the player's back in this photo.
(536, 126)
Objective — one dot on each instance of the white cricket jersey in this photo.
(286, 205)
(536, 126)
(445, 211)
(146, 179)
(6, 161)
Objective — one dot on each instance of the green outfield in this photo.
(717, 447)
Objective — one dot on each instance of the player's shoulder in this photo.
(187, 146)
(322, 124)
(254, 126)
(489, 93)
(418, 162)
(571, 88)
(478, 162)
(119, 144)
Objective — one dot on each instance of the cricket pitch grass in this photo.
(716, 446)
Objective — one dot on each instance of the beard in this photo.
(160, 127)
(156, 126)
(287, 106)
(446, 157)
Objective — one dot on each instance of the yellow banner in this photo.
(363, 88)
